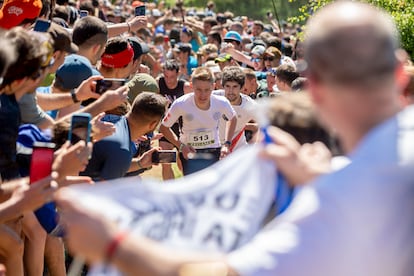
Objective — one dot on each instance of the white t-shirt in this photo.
(356, 221)
(245, 113)
(200, 127)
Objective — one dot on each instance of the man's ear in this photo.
(97, 48)
(314, 90)
(56, 54)
(153, 124)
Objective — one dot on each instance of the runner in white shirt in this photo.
(201, 112)
(233, 80)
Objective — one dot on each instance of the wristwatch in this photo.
(74, 98)
(227, 143)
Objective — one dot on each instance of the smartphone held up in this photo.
(140, 10)
(80, 128)
(42, 160)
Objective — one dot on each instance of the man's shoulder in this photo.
(219, 98)
(247, 100)
(184, 99)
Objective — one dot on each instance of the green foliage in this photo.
(255, 9)
(401, 10)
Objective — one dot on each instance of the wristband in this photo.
(74, 98)
(227, 143)
(182, 145)
(113, 245)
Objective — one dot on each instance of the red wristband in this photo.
(113, 245)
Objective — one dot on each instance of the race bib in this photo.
(201, 138)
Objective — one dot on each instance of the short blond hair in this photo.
(202, 74)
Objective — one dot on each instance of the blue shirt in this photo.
(111, 156)
(191, 65)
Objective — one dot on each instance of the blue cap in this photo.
(232, 35)
(73, 72)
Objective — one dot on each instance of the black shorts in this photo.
(188, 168)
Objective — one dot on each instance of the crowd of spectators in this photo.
(194, 78)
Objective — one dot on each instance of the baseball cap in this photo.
(62, 39)
(258, 50)
(223, 58)
(273, 52)
(73, 72)
(139, 83)
(255, 42)
(14, 12)
(140, 48)
(232, 36)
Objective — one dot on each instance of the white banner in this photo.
(217, 209)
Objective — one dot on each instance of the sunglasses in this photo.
(268, 58)
(256, 59)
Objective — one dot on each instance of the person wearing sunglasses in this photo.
(271, 58)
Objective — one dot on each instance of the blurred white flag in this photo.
(217, 209)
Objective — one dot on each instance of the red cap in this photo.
(137, 3)
(14, 12)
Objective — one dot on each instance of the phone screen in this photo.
(42, 160)
(108, 84)
(140, 10)
(164, 156)
(83, 13)
(41, 26)
(80, 128)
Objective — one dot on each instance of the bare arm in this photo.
(170, 136)
(133, 25)
(237, 55)
(59, 99)
(230, 128)
(26, 198)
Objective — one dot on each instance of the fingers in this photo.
(98, 117)
(65, 199)
(157, 136)
(281, 137)
(93, 78)
(43, 183)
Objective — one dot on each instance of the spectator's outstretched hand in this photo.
(101, 129)
(146, 159)
(293, 160)
(114, 98)
(71, 159)
(27, 197)
(87, 233)
(86, 89)
(138, 22)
